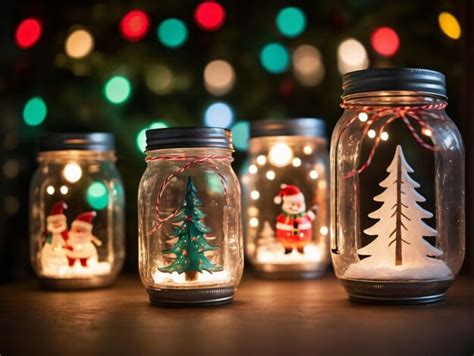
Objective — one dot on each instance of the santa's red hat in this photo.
(57, 211)
(84, 220)
(287, 190)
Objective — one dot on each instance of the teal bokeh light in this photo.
(35, 111)
(240, 135)
(172, 33)
(291, 21)
(97, 195)
(274, 58)
(117, 89)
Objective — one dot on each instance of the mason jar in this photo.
(285, 195)
(190, 234)
(397, 188)
(77, 212)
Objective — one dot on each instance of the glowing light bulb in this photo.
(324, 230)
(270, 175)
(254, 195)
(363, 117)
(253, 169)
(253, 222)
(313, 174)
(384, 136)
(50, 190)
(296, 162)
(64, 190)
(261, 160)
(280, 155)
(371, 133)
(426, 132)
(307, 150)
(72, 172)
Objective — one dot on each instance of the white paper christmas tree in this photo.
(399, 250)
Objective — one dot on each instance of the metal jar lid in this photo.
(291, 127)
(178, 137)
(394, 79)
(92, 141)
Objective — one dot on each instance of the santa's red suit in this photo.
(293, 227)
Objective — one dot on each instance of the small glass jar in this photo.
(77, 212)
(190, 250)
(397, 188)
(285, 195)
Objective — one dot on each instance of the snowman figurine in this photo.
(294, 227)
(81, 245)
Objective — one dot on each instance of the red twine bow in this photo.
(400, 112)
(194, 160)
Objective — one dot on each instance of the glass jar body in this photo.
(190, 235)
(282, 242)
(397, 198)
(82, 244)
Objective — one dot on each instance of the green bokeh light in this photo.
(117, 89)
(35, 111)
(291, 21)
(241, 135)
(172, 33)
(97, 195)
(141, 137)
(274, 58)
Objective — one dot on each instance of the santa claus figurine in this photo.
(293, 227)
(81, 243)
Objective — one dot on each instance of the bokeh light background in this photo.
(125, 67)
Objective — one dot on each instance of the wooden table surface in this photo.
(267, 318)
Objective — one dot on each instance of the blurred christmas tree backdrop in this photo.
(124, 66)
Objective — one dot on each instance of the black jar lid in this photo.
(394, 79)
(177, 137)
(93, 141)
(291, 127)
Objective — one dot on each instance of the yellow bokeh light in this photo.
(449, 25)
(261, 160)
(270, 175)
(219, 77)
(351, 55)
(296, 162)
(253, 169)
(308, 65)
(371, 133)
(79, 44)
(254, 195)
(253, 222)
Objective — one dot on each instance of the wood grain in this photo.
(267, 318)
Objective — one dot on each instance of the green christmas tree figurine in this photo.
(192, 243)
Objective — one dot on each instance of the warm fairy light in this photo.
(253, 222)
(28, 33)
(385, 41)
(308, 65)
(219, 77)
(307, 150)
(384, 136)
(79, 44)
(296, 162)
(261, 160)
(134, 25)
(280, 155)
(50, 189)
(209, 15)
(363, 117)
(252, 211)
(313, 174)
(351, 56)
(270, 175)
(426, 132)
(64, 190)
(449, 25)
(72, 172)
(253, 169)
(371, 133)
(254, 195)
(324, 230)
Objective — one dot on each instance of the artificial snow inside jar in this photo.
(285, 194)
(397, 188)
(77, 212)
(190, 250)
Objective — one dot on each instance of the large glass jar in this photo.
(285, 195)
(190, 250)
(397, 188)
(77, 212)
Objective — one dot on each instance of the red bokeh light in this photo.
(134, 25)
(385, 41)
(209, 15)
(28, 33)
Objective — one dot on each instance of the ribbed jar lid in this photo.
(178, 137)
(394, 79)
(291, 127)
(92, 141)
